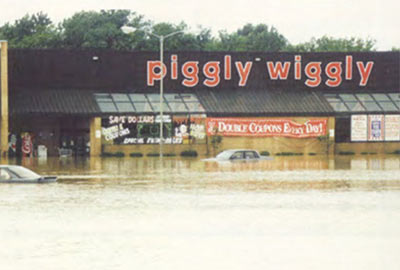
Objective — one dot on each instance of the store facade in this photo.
(100, 101)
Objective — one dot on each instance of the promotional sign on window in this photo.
(359, 125)
(376, 127)
(27, 145)
(266, 127)
(145, 129)
(190, 129)
(392, 127)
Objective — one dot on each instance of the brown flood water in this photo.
(307, 212)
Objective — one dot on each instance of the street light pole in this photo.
(161, 39)
(129, 29)
(161, 94)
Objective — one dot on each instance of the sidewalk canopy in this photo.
(222, 102)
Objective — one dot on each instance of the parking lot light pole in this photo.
(161, 38)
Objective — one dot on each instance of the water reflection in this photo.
(148, 165)
(281, 173)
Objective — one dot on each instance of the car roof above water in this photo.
(10, 166)
(238, 150)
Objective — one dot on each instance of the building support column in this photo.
(331, 135)
(95, 137)
(4, 99)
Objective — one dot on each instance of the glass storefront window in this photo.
(348, 97)
(333, 99)
(173, 97)
(195, 107)
(388, 106)
(177, 107)
(138, 102)
(120, 97)
(103, 98)
(156, 107)
(355, 106)
(364, 97)
(154, 97)
(138, 97)
(371, 106)
(364, 102)
(124, 107)
(142, 107)
(395, 97)
(189, 98)
(107, 107)
(381, 97)
(339, 106)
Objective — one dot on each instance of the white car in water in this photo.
(19, 174)
(239, 154)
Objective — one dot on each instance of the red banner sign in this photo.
(265, 127)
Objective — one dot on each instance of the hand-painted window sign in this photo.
(265, 127)
(332, 73)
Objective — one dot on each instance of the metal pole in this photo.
(161, 93)
(128, 29)
(4, 98)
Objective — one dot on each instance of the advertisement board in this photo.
(392, 127)
(331, 71)
(247, 127)
(376, 127)
(145, 129)
(359, 128)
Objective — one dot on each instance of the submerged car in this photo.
(240, 154)
(19, 174)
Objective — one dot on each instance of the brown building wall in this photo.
(368, 148)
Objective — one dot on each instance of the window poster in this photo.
(145, 129)
(191, 129)
(376, 127)
(392, 127)
(359, 128)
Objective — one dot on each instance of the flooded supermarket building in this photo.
(93, 102)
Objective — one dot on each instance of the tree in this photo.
(330, 44)
(34, 31)
(90, 29)
(185, 41)
(253, 38)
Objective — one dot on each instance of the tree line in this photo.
(102, 29)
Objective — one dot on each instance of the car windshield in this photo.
(251, 155)
(24, 173)
(224, 155)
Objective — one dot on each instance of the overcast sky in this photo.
(297, 20)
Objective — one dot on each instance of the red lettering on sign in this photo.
(174, 67)
(297, 67)
(313, 72)
(364, 71)
(151, 74)
(228, 67)
(277, 71)
(349, 67)
(243, 71)
(190, 71)
(334, 71)
(245, 127)
(211, 71)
